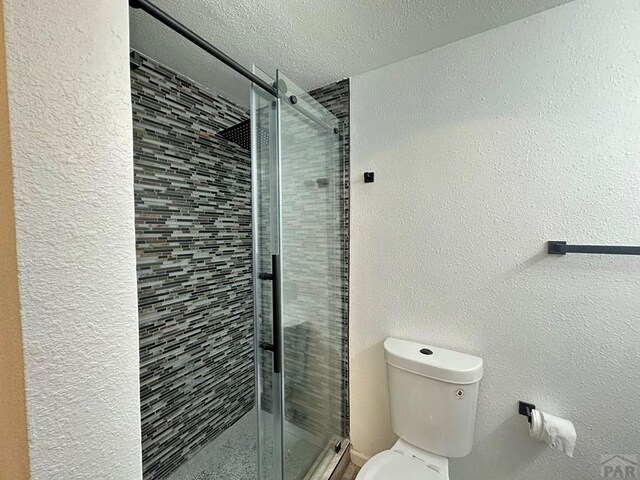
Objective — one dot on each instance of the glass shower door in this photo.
(299, 274)
(312, 250)
(265, 166)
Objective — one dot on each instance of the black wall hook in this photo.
(368, 177)
(525, 409)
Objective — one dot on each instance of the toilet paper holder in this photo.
(525, 408)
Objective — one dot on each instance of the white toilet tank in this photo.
(433, 395)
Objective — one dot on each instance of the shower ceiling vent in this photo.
(240, 134)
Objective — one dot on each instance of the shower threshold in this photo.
(232, 455)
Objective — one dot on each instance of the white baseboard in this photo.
(357, 458)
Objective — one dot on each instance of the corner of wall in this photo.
(358, 458)
(71, 156)
(14, 448)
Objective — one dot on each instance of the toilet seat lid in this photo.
(391, 465)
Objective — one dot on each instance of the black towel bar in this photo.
(561, 248)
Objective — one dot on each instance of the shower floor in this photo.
(233, 454)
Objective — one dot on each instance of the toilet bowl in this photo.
(433, 395)
(405, 462)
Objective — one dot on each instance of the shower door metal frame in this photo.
(277, 288)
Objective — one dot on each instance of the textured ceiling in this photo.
(314, 42)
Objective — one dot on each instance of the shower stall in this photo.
(242, 238)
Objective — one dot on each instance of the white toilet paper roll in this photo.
(556, 432)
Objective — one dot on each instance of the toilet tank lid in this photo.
(433, 362)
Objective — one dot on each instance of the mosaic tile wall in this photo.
(193, 240)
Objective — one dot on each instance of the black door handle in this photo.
(266, 346)
(277, 315)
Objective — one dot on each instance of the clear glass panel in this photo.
(313, 300)
(266, 224)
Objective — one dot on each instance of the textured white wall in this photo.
(483, 150)
(72, 151)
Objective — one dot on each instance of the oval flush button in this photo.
(426, 351)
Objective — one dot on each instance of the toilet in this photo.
(433, 396)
